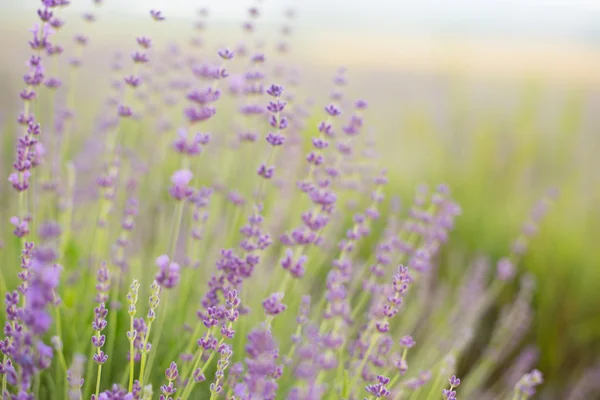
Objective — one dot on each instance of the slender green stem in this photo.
(339, 375)
(415, 394)
(131, 355)
(176, 229)
(98, 379)
(433, 390)
(192, 382)
(186, 371)
(36, 386)
(365, 359)
(173, 246)
(517, 396)
(292, 350)
(61, 355)
(144, 355)
(160, 324)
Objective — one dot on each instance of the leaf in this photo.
(346, 385)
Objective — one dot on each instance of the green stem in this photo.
(364, 360)
(517, 396)
(162, 317)
(176, 229)
(98, 379)
(61, 356)
(161, 322)
(362, 300)
(36, 386)
(131, 356)
(192, 382)
(433, 390)
(415, 394)
(144, 355)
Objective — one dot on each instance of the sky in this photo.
(577, 19)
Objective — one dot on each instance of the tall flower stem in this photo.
(131, 357)
(99, 376)
(172, 248)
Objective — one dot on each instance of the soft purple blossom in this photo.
(157, 15)
(168, 275)
(180, 180)
(273, 305)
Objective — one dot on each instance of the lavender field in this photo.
(289, 200)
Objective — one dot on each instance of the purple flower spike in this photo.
(454, 381)
(379, 390)
(45, 14)
(275, 139)
(144, 42)
(89, 17)
(263, 370)
(199, 114)
(139, 58)
(133, 81)
(265, 171)
(171, 373)
(505, 269)
(100, 358)
(332, 110)
(360, 104)
(124, 111)
(81, 40)
(180, 189)
(449, 394)
(52, 83)
(157, 15)
(198, 375)
(273, 305)
(407, 342)
(296, 267)
(21, 226)
(275, 90)
(169, 275)
(57, 23)
(529, 382)
(226, 54)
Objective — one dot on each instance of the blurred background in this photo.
(500, 99)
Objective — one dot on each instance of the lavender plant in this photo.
(273, 263)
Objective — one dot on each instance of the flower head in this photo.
(273, 305)
(180, 180)
(157, 15)
(169, 274)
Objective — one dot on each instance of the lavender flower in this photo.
(98, 340)
(180, 188)
(263, 370)
(169, 389)
(273, 305)
(525, 388)
(169, 274)
(379, 389)
(450, 394)
(157, 15)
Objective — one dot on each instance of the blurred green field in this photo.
(500, 144)
(498, 166)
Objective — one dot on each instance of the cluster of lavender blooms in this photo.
(262, 261)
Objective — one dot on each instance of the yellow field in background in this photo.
(556, 60)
